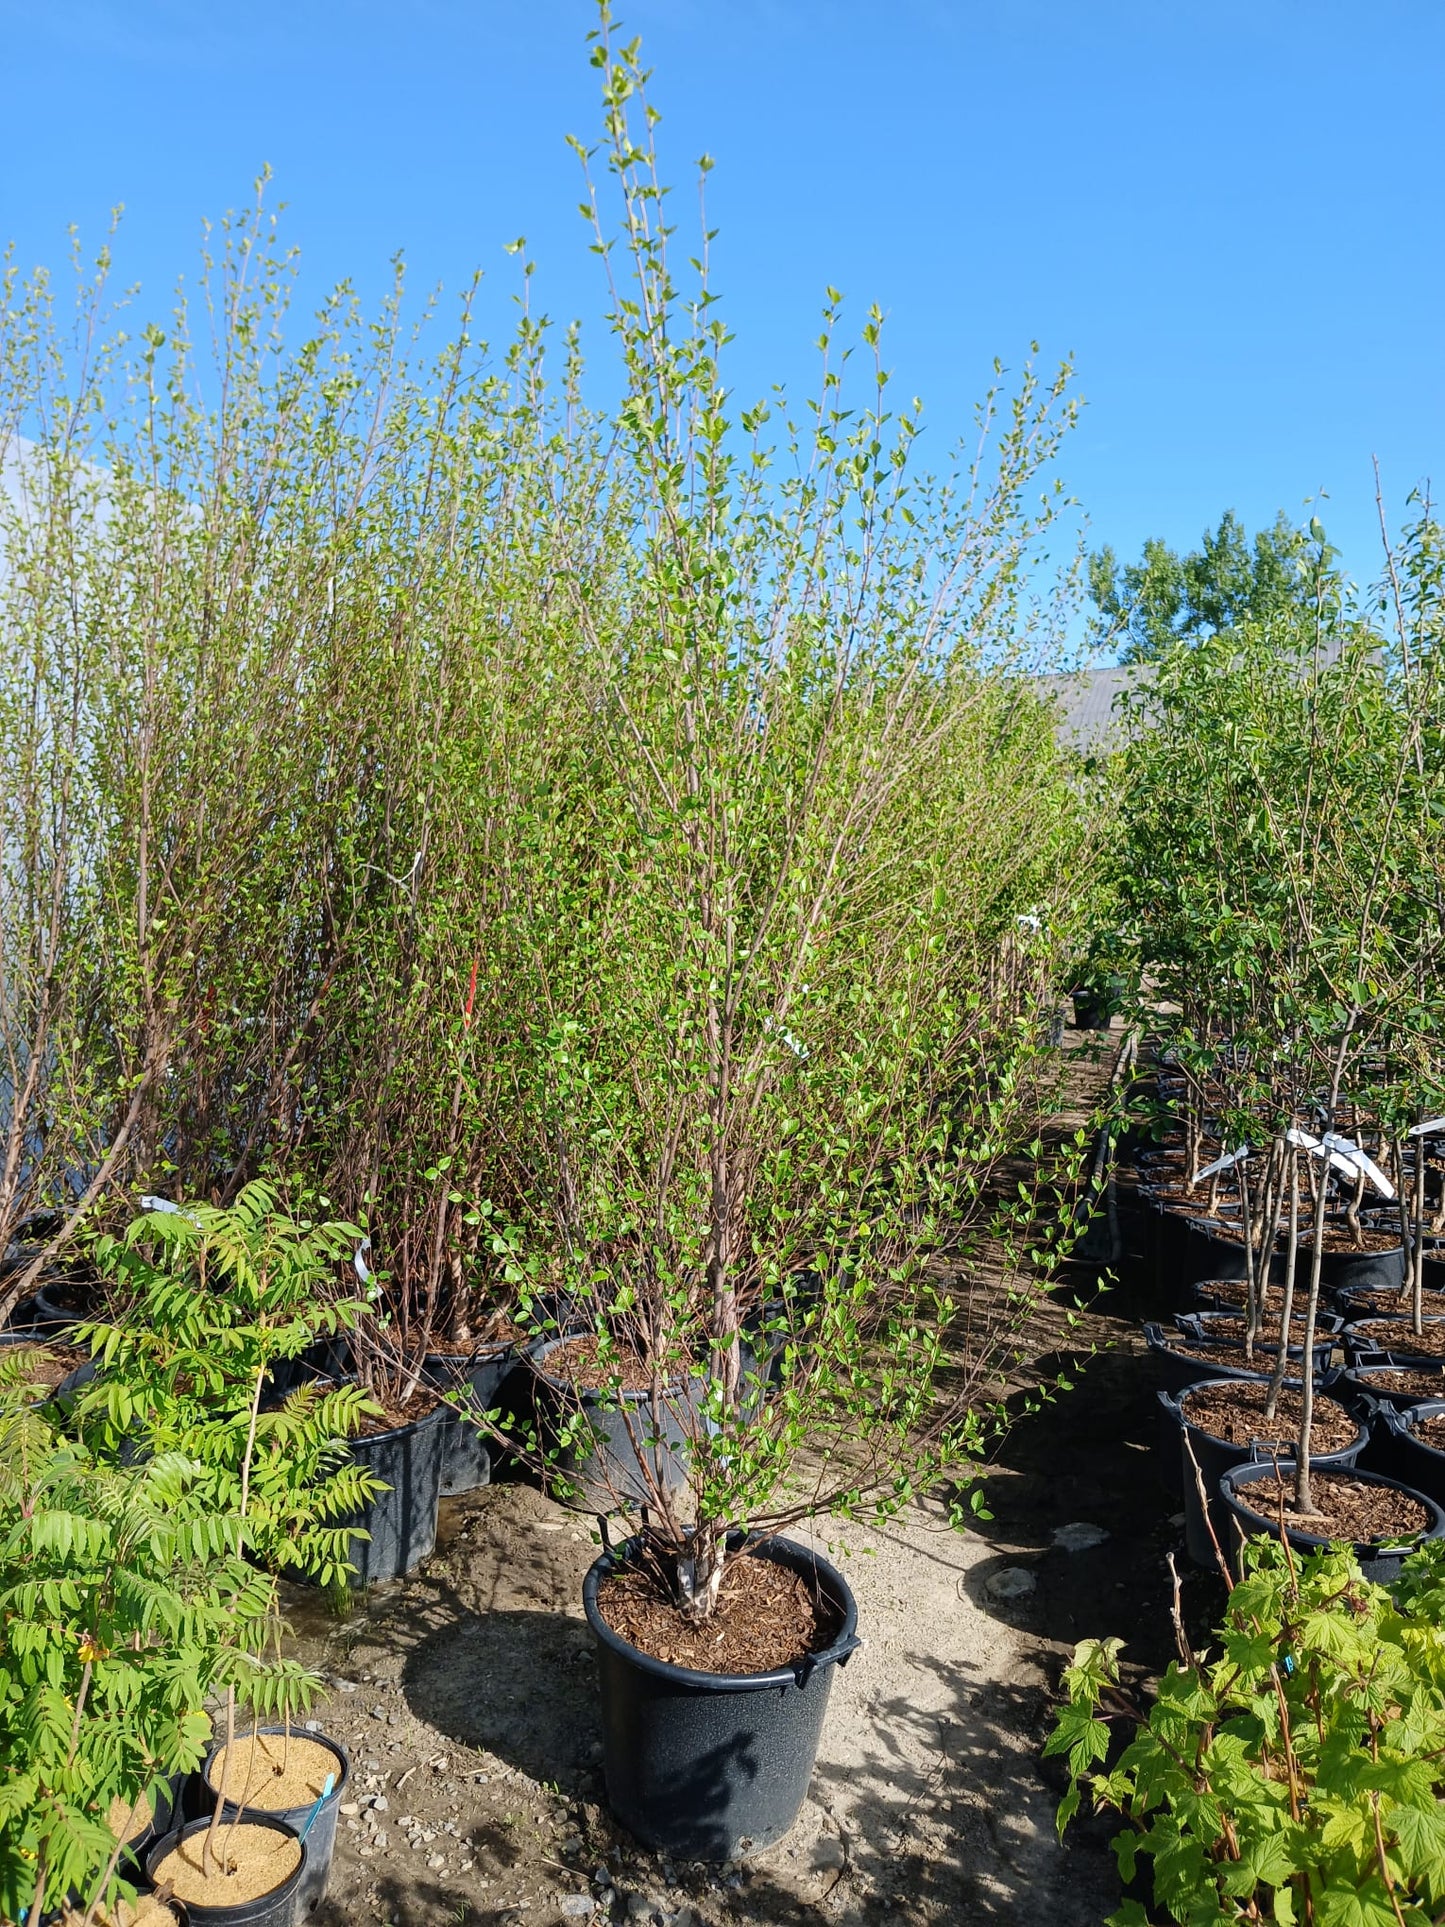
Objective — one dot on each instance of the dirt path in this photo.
(467, 1696)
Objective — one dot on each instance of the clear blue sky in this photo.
(1229, 211)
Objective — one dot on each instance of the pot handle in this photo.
(839, 1653)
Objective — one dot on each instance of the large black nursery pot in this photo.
(1361, 1344)
(1359, 1270)
(278, 1908)
(402, 1520)
(1365, 1381)
(1248, 1486)
(1215, 1456)
(477, 1376)
(1406, 1456)
(625, 1440)
(1178, 1370)
(319, 1833)
(713, 1766)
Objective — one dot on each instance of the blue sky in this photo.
(1229, 213)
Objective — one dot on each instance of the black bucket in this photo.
(402, 1520)
(603, 1471)
(274, 1909)
(1359, 1343)
(319, 1833)
(713, 1766)
(1411, 1460)
(1178, 1370)
(1360, 1270)
(466, 1457)
(1363, 1380)
(1216, 1456)
(1379, 1564)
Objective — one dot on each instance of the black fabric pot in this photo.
(710, 1766)
(275, 1909)
(1216, 1456)
(466, 1457)
(603, 1472)
(1377, 1563)
(402, 1520)
(320, 1833)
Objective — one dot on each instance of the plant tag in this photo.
(1428, 1128)
(1226, 1163)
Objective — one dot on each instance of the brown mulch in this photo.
(1424, 1382)
(55, 1363)
(1343, 1238)
(1344, 1508)
(766, 1617)
(579, 1363)
(1394, 1304)
(1233, 1410)
(1431, 1431)
(1395, 1335)
(1231, 1331)
(394, 1414)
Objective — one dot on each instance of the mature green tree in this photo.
(1166, 597)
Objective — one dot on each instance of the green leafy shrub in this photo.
(126, 1604)
(1294, 1775)
(218, 1299)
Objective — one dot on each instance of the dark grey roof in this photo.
(1084, 699)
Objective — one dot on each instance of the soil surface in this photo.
(245, 1863)
(1431, 1430)
(1394, 1335)
(1229, 1330)
(55, 1364)
(577, 1362)
(766, 1616)
(127, 1823)
(1233, 1410)
(1389, 1304)
(423, 1401)
(1343, 1507)
(1345, 1239)
(1424, 1382)
(276, 1772)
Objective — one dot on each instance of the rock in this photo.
(1013, 1582)
(1079, 1537)
(686, 1917)
(346, 1809)
(378, 1712)
(312, 1726)
(573, 1843)
(577, 1906)
(436, 1861)
(644, 1906)
(379, 1804)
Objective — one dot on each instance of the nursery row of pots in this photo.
(1227, 1450)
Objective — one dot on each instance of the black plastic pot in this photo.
(1177, 1371)
(62, 1301)
(402, 1520)
(466, 1457)
(320, 1834)
(1214, 1457)
(712, 1766)
(1360, 1302)
(1407, 1456)
(330, 1357)
(604, 1470)
(275, 1909)
(1362, 1380)
(1378, 1563)
(1358, 1270)
(1093, 1009)
(1210, 1325)
(1358, 1343)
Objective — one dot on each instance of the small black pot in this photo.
(1378, 1563)
(319, 1835)
(402, 1520)
(1216, 1456)
(605, 1473)
(167, 1813)
(712, 1766)
(275, 1909)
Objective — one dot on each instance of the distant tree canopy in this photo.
(1164, 598)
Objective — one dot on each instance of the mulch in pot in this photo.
(579, 1362)
(1231, 1331)
(1431, 1431)
(245, 1863)
(52, 1364)
(1422, 1381)
(1344, 1508)
(1344, 1239)
(1395, 1335)
(1366, 1304)
(272, 1773)
(766, 1617)
(1232, 1409)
